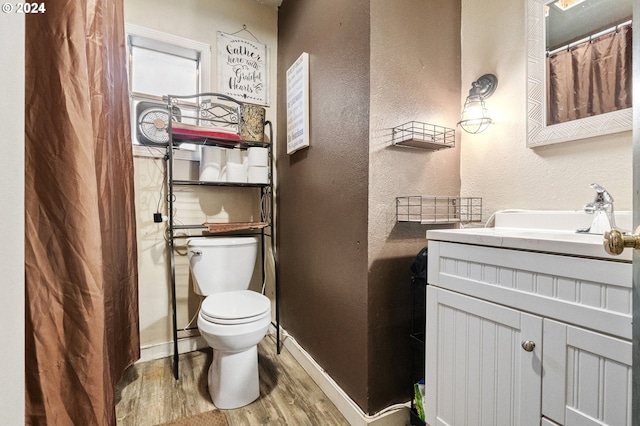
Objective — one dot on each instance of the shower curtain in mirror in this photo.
(80, 260)
(590, 78)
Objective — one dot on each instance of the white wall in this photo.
(496, 165)
(196, 20)
(12, 29)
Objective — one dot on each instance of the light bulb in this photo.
(475, 116)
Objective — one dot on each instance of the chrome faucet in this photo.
(602, 211)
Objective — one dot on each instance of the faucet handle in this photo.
(602, 195)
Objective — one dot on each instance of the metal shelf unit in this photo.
(415, 134)
(428, 209)
(216, 110)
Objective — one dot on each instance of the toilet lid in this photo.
(236, 306)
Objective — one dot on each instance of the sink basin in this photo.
(540, 231)
(554, 219)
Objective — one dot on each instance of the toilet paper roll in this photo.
(258, 156)
(236, 172)
(210, 173)
(212, 155)
(234, 156)
(258, 174)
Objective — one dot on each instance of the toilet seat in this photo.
(235, 307)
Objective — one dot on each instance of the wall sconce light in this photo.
(475, 116)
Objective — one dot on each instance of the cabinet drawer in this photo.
(591, 293)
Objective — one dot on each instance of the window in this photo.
(179, 75)
(161, 64)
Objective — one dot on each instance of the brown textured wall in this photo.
(322, 190)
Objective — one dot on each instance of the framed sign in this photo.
(243, 69)
(298, 104)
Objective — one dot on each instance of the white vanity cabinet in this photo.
(516, 336)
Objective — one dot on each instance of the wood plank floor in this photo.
(149, 395)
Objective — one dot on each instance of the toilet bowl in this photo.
(232, 319)
(233, 323)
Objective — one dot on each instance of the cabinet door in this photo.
(477, 372)
(587, 377)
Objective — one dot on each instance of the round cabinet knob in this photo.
(528, 345)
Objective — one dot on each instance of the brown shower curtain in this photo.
(80, 260)
(590, 78)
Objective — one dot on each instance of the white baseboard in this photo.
(165, 349)
(390, 416)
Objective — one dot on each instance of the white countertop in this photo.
(515, 233)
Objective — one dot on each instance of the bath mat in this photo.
(208, 418)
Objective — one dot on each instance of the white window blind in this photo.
(159, 73)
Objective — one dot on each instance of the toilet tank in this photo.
(220, 264)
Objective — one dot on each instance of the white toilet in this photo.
(232, 318)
